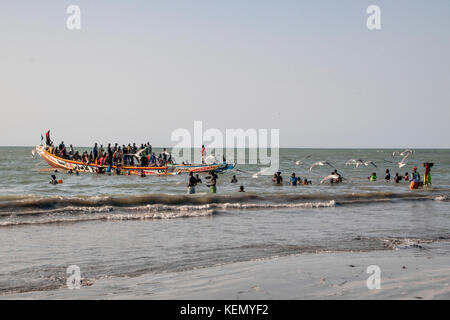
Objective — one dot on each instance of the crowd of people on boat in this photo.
(112, 155)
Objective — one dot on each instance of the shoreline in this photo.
(414, 273)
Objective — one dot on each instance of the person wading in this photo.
(191, 183)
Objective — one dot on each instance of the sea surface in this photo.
(126, 226)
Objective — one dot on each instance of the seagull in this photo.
(368, 163)
(260, 172)
(321, 163)
(246, 172)
(403, 153)
(211, 156)
(402, 163)
(299, 162)
(359, 162)
(407, 151)
(356, 162)
(331, 176)
(138, 153)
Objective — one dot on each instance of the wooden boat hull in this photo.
(65, 164)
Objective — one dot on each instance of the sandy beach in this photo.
(405, 274)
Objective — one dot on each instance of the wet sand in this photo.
(413, 273)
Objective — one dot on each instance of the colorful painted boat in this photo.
(65, 164)
(198, 168)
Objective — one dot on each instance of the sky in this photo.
(138, 70)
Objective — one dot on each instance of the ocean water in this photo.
(126, 226)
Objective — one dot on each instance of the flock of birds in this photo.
(405, 154)
(359, 162)
(354, 162)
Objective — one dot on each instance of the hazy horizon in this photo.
(136, 71)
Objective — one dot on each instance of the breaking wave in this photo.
(26, 202)
(23, 210)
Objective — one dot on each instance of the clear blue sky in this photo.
(137, 70)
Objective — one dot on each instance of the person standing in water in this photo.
(54, 181)
(277, 178)
(388, 176)
(415, 175)
(373, 177)
(406, 176)
(234, 180)
(191, 183)
(427, 174)
(397, 178)
(294, 179)
(213, 182)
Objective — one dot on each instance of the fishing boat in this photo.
(198, 168)
(172, 169)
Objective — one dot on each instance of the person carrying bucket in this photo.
(415, 180)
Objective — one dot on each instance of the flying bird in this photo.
(299, 162)
(368, 163)
(211, 156)
(331, 176)
(407, 151)
(359, 162)
(402, 163)
(403, 153)
(246, 172)
(356, 162)
(321, 163)
(263, 171)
